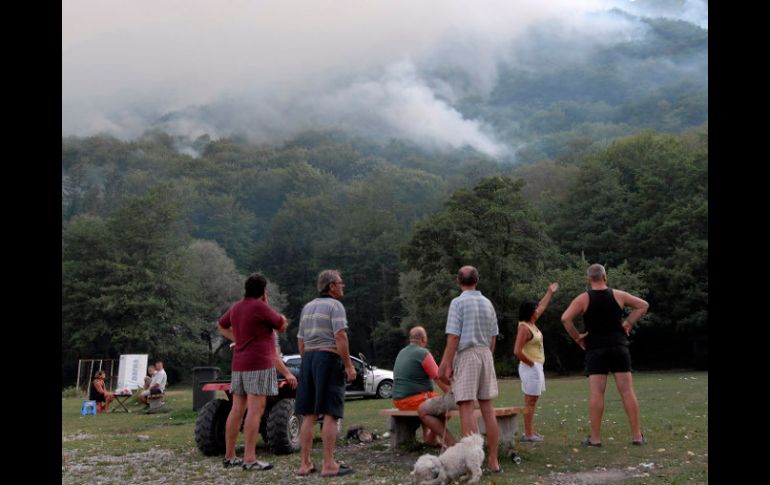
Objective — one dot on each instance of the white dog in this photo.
(461, 460)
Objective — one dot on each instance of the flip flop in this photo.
(257, 465)
(587, 442)
(234, 462)
(489, 471)
(344, 470)
(312, 470)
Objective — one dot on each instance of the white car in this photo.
(370, 381)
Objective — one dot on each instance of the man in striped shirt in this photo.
(323, 345)
(471, 330)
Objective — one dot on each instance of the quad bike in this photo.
(279, 427)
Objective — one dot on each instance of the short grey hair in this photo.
(595, 272)
(326, 278)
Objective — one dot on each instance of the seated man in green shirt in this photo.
(413, 374)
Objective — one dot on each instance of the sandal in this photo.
(535, 438)
(312, 470)
(641, 442)
(257, 465)
(227, 463)
(344, 470)
(587, 442)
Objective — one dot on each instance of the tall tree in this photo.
(491, 227)
(137, 299)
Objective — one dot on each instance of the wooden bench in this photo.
(157, 404)
(403, 424)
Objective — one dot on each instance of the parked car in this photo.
(370, 381)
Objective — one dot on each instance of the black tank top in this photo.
(95, 395)
(603, 320)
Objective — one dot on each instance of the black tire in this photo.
(385, 389)
(210, 427)
(283, 427)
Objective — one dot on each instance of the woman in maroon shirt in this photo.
(249, 323)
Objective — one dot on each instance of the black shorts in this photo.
(321, 387)
(608, 359)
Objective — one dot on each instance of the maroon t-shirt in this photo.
(253, 322)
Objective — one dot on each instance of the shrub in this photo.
(505, 368)
(72, 391)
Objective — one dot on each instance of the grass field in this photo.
(124, 448)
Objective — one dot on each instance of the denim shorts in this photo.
(321, 388)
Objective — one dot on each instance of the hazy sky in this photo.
(268, 68)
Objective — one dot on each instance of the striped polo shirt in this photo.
(320, 320)
(472, 317)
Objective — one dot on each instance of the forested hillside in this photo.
(156, 242)
(529, 140)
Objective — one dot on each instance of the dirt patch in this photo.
(373, 463)
(77, 437)
(597, 476)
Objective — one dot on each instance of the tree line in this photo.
(156, 242)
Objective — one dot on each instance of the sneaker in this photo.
(535, 438)
(234, 462)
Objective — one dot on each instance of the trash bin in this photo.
(200, 375)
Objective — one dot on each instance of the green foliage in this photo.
(155, 243)
(71, 391)
(390, 340)
(645, 200)
(123, 289)
(505, 366)
(490, 227)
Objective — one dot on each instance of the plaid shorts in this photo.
(257, 382)
(474, 375)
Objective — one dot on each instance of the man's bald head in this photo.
(468, 276)
(417, 333)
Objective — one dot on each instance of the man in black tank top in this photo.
(606, 344)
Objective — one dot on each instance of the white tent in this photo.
(131, 371)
